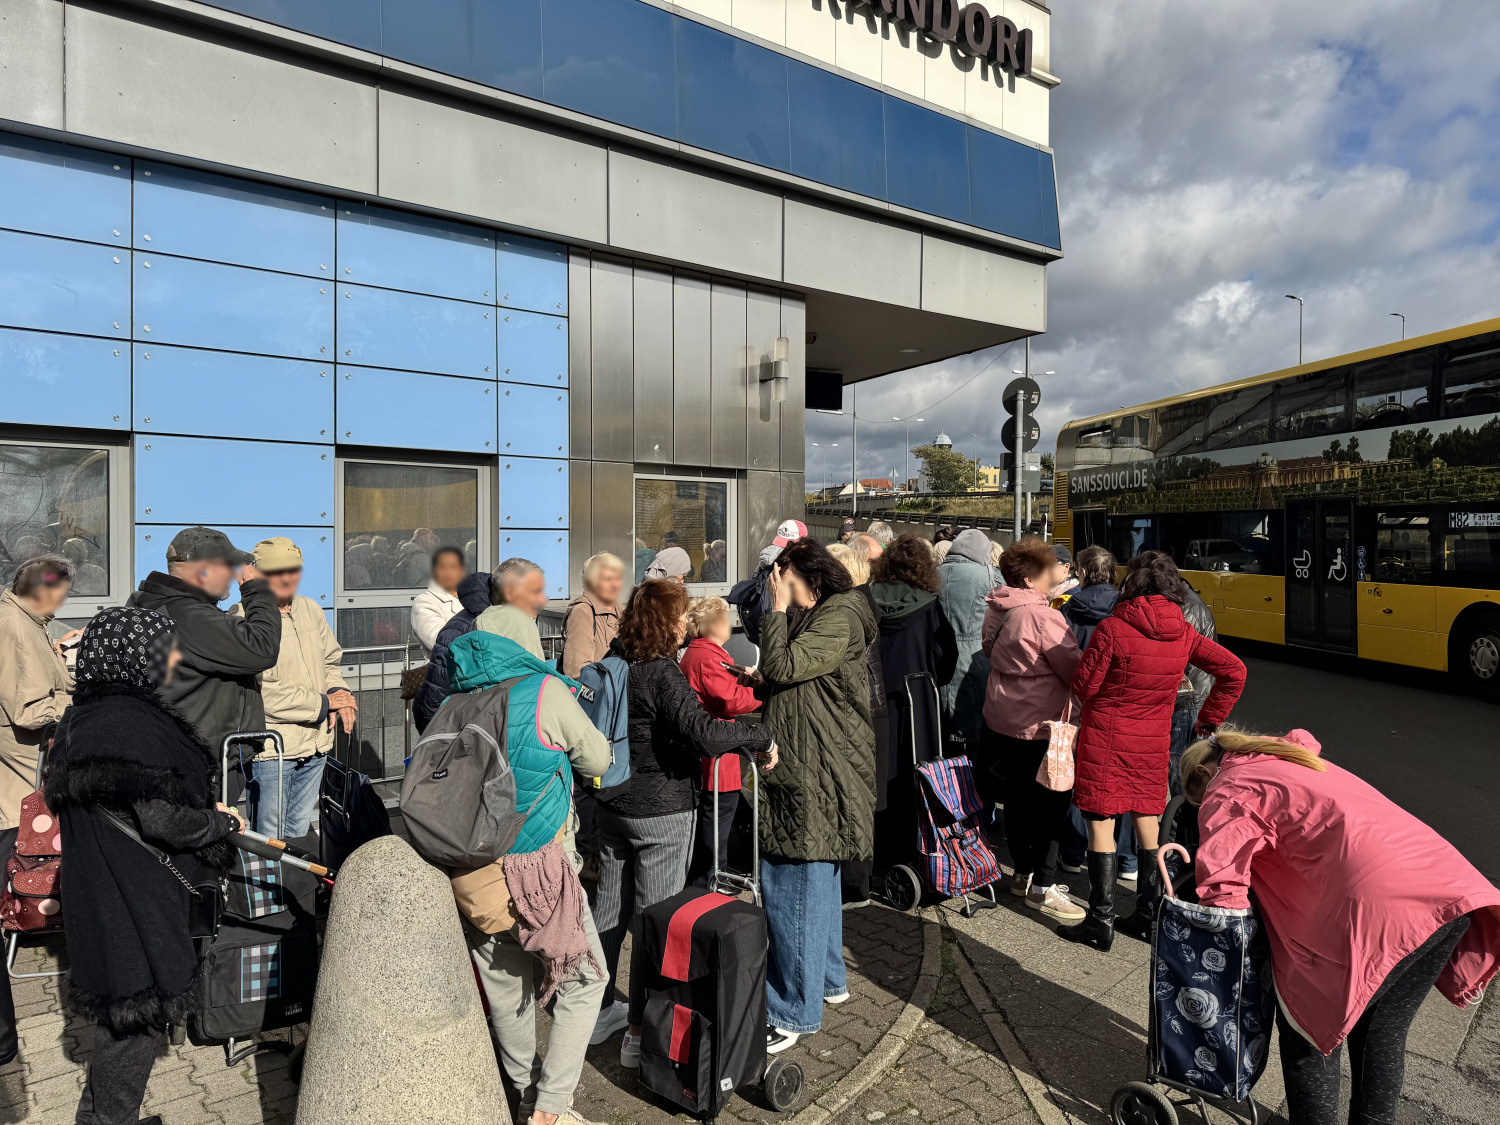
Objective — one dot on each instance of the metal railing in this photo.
(384, 733)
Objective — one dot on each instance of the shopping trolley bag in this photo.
(958, 857)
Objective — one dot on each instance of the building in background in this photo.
(535, 277)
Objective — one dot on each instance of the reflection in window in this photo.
(396, 516)
(1181, 427)
(1259, 534)
(54, 499)
(1312, 406)
(1240, 417)
(1473, 544)
(1403, 548)
(1471, 383)
(1393, 391)
(383, 627)
(691, 514)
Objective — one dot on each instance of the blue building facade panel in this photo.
(533, 493)
(495, 42)
(190, 480)
(55, 285)
(414, 332)
(613, 59)
(845, 148)
(151, 541)
(933, 174)
(48, 188)
(417, 254)
(533, 420)
(56, 380)
(548, 549)
(232, 308)
(533, 349)
(411, 410)
(228, 394)
(218, 219)
(532, 275)
(732, 96)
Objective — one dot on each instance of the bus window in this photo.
(1180, 427)
(1471, 549)
(1471, 383)
(1241, 417)
(1312, 406)
(1256, 534)
(1130, 535)
(1393, 391)
(1403, 548)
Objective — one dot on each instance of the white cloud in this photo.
(1213, 157)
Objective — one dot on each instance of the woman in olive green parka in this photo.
(818, 806)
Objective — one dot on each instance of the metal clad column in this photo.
(581, 521)
(653, 366)
(691, 360)
(728, 399)
(761, 512)
(793, 410)
(762, 326)
(580, 359)
(613, 360)
(614, 512)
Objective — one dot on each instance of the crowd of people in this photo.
(1016, 641)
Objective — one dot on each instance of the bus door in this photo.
(1320, 574)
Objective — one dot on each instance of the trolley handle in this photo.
(248, 736)
(717, 874)
(1161, 864)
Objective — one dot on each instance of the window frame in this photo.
(731, 484)
(120, 522)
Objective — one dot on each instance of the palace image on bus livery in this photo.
(1351, 504)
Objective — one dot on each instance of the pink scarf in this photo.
(549, 905)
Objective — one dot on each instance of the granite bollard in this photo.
(398, 1030)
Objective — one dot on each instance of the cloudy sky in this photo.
(1212, 158)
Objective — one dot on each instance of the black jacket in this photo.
(215, 687)
(880, 708)
(474, 594)
(670, 734)
(1201, 618)
(1087, 607)
(133, 965)
(915, 637)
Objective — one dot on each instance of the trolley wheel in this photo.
(903, 889)
(294, 1062)
(1140, 1103)
(783, 1085)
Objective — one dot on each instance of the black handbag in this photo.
(206, 894)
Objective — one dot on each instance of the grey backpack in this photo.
(459, 795)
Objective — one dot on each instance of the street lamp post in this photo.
(907, 459)
(824, 457)
(1403, 323)
(977, 459)
(1294, 297)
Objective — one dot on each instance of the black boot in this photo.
(1147, 897)
(1098, 929)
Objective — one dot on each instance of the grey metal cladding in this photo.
(693, 216)
(793, 496)
(137, 83)
(614, 511)
(761, 512)
(983, 285)
(727, 376)
(611, 328)
(653, 366)
(691, 361)
(841, 252)
(31, 62)
(580, 357)
(793, 411)
(464, 161)
(763, 422)
(580, 520)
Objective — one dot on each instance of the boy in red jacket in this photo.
(707, 667)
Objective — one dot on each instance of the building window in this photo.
(57, 499)
(392, 516)
(694, 514)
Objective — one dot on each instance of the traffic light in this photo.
(1025, 393)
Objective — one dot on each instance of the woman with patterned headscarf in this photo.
(124, 761)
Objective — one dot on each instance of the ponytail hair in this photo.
(1199, 759)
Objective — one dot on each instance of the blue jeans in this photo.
(1075, 841)
(301, 778)
(804, 913)
(1182, 737)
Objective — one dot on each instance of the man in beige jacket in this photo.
(305, 697)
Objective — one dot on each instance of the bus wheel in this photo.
(1475, 656)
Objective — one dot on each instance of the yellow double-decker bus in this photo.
(1350, 505)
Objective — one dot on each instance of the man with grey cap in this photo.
(215, 686)
(305, 697)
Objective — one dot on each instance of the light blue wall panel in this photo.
(410, 332)
(53, 380)
(214, 481)
(548, 549)
(408, 410)
(317, 554)
(533, 420)
(60, 286)
(421, 255)
(196, 215)
(533, 348)
(179, 301)
(191, 391)
(533, 493)
(57, 189)
(533, 275)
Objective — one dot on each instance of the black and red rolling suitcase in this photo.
(698, 989)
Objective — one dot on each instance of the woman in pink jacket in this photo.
(1033, 655)
(1366, 908)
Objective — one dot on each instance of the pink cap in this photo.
(789, 532)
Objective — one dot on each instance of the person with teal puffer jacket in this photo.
(537, 911)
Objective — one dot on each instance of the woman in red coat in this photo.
(1128, 680)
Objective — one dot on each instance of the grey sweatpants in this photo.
(642, 860)
(506, 974)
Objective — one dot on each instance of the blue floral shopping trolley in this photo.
(1212, 1005)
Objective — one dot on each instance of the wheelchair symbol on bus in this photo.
(1339, 570)
(1303, 563)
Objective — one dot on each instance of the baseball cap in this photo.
(1063, 554)
(277, 553)
(789, 531)
(193, 544)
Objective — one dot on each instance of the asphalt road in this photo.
(1430, 749)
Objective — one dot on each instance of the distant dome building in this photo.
(943, 441)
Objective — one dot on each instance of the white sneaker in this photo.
(630, 1051)
(1018, 885)
(778, 1040)
(611, 1019)
(837, 998)
(1127, 879)
(1055, 903)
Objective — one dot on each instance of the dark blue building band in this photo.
(636, 65)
